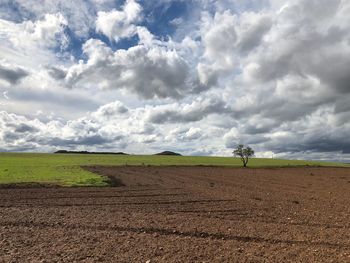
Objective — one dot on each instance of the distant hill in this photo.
(86, 152)
(168, 153)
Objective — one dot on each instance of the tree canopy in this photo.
(243, 153)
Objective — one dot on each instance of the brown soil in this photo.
(183, 214)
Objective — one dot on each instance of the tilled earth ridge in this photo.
(183, 214)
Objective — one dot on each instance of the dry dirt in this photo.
(183, 214)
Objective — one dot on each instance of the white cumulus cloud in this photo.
(118, 24)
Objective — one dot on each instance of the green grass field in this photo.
(65, 170)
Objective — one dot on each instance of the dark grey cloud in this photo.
(86, 141)
(253, 36)
(252, 129)
(150, 72)
(231, 140)
(10, 136)
(12, 74)
(147, 129)
(57, 73)
(149, 140)
(23, 128)
(193, 112)
(342, 105)
(111, 110)
(317, 144)
(337, 72)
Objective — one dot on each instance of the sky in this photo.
(197, 77)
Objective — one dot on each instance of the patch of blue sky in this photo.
(76, 44)
(159, 18)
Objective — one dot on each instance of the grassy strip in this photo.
(65, 170)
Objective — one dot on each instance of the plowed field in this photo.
(183, 214)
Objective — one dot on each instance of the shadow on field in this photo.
(179, 202)
(170, 232)
(28, 185)
(113, 181)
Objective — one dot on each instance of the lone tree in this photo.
(243, 153)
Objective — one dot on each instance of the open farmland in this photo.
(183, 214)
(65, 169)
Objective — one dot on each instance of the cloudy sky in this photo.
(193, 76)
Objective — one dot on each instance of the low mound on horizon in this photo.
(87, 152)
(168, 153)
